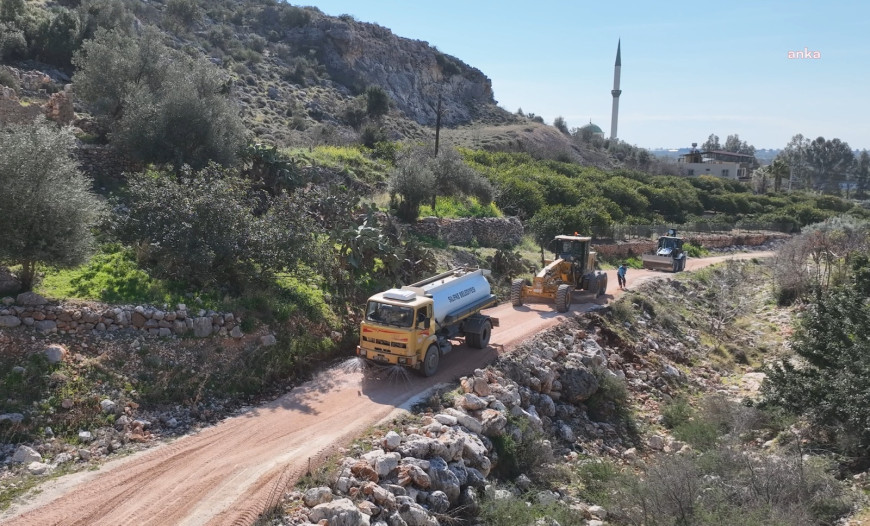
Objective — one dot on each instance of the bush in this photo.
(676, 412)
(377, 102)
(185, 12)
(829, 385)
(518, 512)
(726, 486)
(7, 78)
(201, 229)
(695, 251)
(47, 206)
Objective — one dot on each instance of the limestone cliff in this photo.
(412, 72)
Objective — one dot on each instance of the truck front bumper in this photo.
(384, 358)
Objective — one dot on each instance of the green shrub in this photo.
(676, 413)
(830, 386)
(201, 228)
(596, 477)
(524, 456)
(699, 433)
(623, 311)
(6, 77)
(695, 251)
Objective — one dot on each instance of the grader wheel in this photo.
(563, 298)
(602, 285)
(517, 293)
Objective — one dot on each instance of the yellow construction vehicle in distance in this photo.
(572, 269)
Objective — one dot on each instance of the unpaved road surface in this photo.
(229, 473)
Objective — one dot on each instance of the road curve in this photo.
(229, 473)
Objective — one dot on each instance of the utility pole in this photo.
(437, 127)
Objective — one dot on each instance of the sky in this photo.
(688, 69)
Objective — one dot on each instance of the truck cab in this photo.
(396, 324)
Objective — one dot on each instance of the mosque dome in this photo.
(594, 129)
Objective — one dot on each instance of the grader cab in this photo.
(572, 269)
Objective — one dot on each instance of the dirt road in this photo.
(229, 473)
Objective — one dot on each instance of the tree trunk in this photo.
(27, 275)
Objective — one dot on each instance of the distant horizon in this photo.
(763, 71)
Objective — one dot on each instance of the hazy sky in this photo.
(688, 68)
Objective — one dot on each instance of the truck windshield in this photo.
(387, 314)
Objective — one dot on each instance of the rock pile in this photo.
(32, 310)
(498, 232)
(441, 463)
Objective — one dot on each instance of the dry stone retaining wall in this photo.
(33, 311)
(498, 232)
(638, 247)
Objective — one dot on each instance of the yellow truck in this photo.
(412, 326)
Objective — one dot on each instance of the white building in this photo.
(719, 163)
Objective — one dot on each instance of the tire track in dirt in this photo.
(227, 474)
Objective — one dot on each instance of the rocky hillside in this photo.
(300, 77)
(567, 429)
(413, 73)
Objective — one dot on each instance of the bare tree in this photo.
(729, 295)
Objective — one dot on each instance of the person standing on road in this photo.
(620, 275)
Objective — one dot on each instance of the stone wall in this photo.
(35, 84)
(498, 232)
(645, 246)
(30, 310)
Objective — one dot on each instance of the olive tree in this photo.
(411, 182)
(46, 204)
(202, 229)
(420, 176)
(160, 105)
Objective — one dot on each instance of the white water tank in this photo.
(452, 293)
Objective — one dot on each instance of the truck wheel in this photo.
(683, 264)
(517, 293)
(481, 340)
(430, 362)
(563, 298)
(602, 285)
(676, 266)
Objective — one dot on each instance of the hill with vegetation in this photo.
(268, 161)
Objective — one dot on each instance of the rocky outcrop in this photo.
(58, 108)
(412, 72)
(9, 284)
(497, 232)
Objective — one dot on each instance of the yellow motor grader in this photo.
(572, 269)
